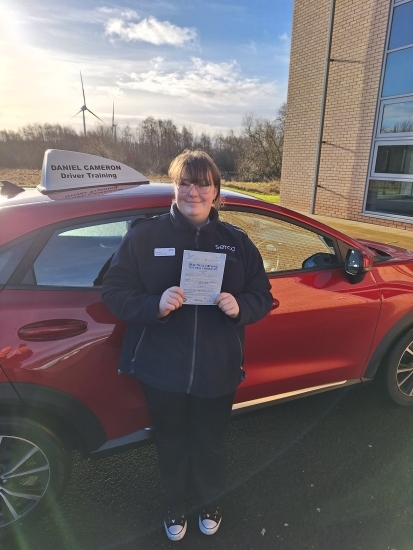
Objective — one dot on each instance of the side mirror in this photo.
(357, 264)
(319, 259)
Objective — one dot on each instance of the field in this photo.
(21, 176)
(265, 191)
(268, 191)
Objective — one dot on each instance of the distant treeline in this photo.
(253, 155)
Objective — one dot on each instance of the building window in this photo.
(390, 197)
(398, 79)
(397, 118)
(402, 26)
(390, 186)
(394, 159)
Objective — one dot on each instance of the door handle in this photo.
(52, 329)
(275, 303)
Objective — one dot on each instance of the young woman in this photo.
(188, 357)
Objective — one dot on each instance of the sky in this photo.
(203, 64)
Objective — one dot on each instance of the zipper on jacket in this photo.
(191, 376)
(240, 348)
(138, 344)
(241, 366)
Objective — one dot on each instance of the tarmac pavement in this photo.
(328, 472)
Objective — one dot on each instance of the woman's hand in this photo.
(171, 299)
(227, 304)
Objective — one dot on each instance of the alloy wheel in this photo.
(24, 477)
(405, 371)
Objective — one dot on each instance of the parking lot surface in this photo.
(370, 231)
(330, 471)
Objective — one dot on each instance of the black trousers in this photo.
(191, 437)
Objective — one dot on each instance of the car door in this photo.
(322, 326)
(58, 333)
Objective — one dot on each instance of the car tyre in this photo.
(34, 471)
(398, 375)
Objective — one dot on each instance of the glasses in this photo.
(202, 187)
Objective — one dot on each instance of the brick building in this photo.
(364, 152)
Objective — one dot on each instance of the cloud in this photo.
(204, 83)
(149, 30)
(127, 14)
(156, 62)
(284, 37)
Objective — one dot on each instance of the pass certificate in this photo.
(201, 277)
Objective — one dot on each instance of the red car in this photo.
(342, 314)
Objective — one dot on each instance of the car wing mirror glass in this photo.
(357, 265)
(354, 262)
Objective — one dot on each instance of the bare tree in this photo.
(260, 151)
(187, 138)
(25, 148)
(254, 155)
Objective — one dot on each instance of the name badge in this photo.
(164, 252)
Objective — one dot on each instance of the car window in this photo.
(75, 256)
(9, 259)
(284, 246)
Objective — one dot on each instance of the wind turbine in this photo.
(84, 108)
(113, 122)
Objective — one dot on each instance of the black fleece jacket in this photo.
(195, 349)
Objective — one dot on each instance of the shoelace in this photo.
(209, 515)
(175, 521)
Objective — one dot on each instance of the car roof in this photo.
(33, 196)
(33, 210)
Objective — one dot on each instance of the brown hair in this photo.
(197, 166)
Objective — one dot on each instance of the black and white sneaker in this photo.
(209, 521)
(175, 527)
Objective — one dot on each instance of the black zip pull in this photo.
(197, 239)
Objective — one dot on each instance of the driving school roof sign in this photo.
(67, 174)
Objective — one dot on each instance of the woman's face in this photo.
(195, 202)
